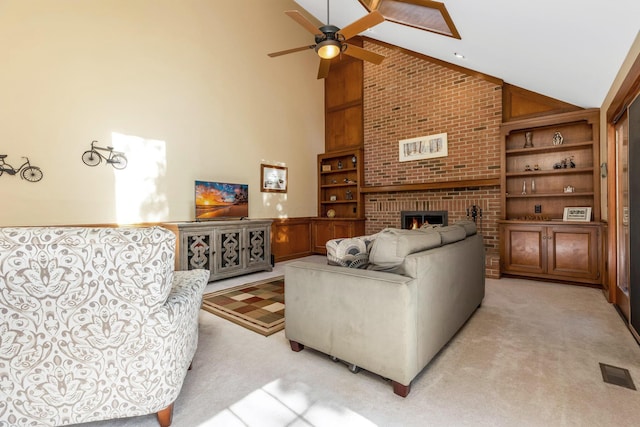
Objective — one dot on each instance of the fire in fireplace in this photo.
(415, 219)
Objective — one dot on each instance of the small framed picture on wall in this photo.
(273, 178)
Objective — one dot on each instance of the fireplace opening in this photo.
(411, 220)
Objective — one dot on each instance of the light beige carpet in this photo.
(528, 357)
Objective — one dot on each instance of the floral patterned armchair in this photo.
(94, 324)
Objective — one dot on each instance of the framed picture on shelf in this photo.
(577, 214)
(423, 147)
(273, 178)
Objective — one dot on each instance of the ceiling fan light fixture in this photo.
(328, 49)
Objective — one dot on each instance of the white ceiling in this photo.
(570, 50)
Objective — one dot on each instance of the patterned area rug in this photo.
(257, 306)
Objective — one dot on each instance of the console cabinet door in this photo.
(573, 252)
(197, 250)
(524, 249)
(229, 250)
(256, 246)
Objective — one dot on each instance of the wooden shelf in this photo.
(550, 172)
(539, 195)
(549, 148)
(439, 185)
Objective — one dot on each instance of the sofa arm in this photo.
(175, 328)
(361, 316)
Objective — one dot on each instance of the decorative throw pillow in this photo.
(350, 252)
(427, 226)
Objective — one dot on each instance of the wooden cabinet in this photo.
(340, 175)
(554, 250)
(549, 163)
(324, 229)
(225, 248)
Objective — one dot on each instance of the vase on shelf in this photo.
(533, 186)
(524, 187)
(528, 139)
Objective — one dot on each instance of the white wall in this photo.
(184, 87)
(634, 52)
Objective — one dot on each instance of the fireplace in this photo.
(415, 219)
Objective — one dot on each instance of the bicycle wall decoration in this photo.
(26, 170)
(93, 157)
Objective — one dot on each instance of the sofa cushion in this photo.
(451, 234)
(351, 252)
(392, 245)
(469, 226)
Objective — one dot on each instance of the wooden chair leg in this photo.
(165, 416)
(296, 346)
(190, 366)
(400, 389)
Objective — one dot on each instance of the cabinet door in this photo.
(228, 250)
(197, 250)
(257, 246)
(321, 233)
(524, 249)
(573, 252)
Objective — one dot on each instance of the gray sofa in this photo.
(394, 315)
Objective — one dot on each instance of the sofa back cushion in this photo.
(350, 252)
(468, 225)
(451, 234)
(392, 246)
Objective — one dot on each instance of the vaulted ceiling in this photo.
(570, 50)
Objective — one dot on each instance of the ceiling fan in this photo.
(330, 41)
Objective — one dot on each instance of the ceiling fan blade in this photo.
(323, 70)
(297, 49)
(356, 27)
(360, 53)
(374, 4)
(300, 19)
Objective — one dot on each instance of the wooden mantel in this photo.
(438, 185)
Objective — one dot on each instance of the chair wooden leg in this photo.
(296, 346)
(190, 366)
(400, 389)
(165, 416)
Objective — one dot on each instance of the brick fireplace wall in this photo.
(407, 97)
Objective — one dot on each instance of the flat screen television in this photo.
(221, 200)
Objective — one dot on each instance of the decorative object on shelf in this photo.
(354, 161)
(93, 157)
(423, 147)
(349, 181)
(569, 189)
(527, 168)
(273, 178)
(333, 197)
(326, 168)
(524, 187)
(533, 186)
(564, 163)
(26, 171)
(348, 195)
(333, 181)
(528, 139)
(339, 164)
(536, 167)
(577, 214)
(331, 213)
(557, 138)
(534, 218)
